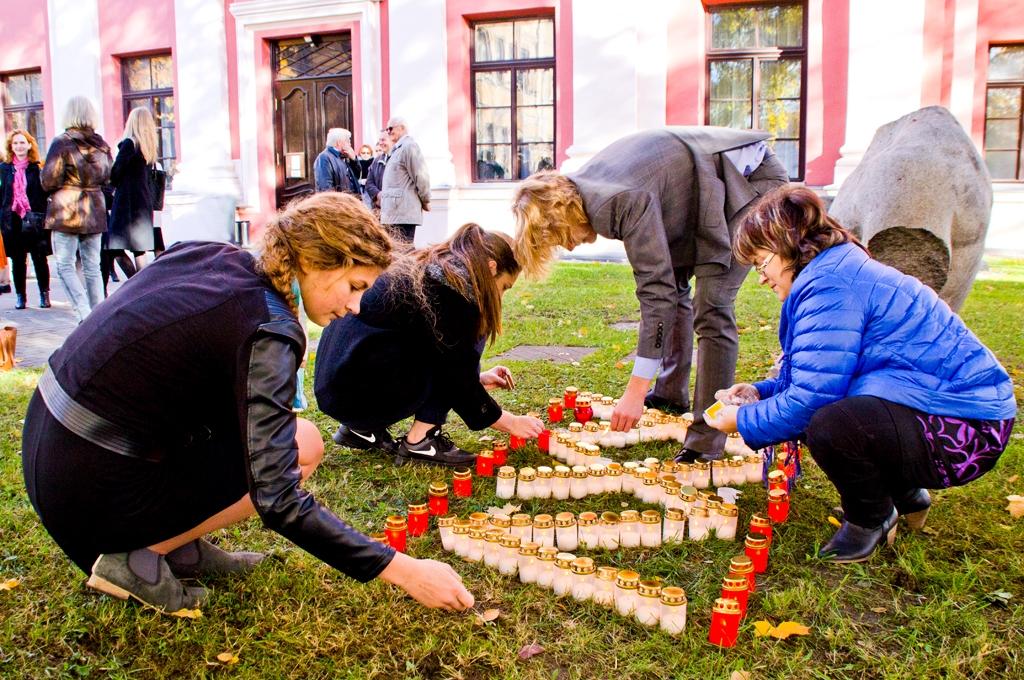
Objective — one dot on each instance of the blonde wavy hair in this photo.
(329, 230)
(141, 129)
(80, 114)
(547, 206)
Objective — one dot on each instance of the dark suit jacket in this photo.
(673, 201)
(334, 172)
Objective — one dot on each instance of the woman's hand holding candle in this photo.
(740, 393)
(499, 376)
(431, 583)
(526, 427)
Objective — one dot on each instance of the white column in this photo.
(965, 44)
(886, 72)
(651, 60)
(419, 93)
(74, 27)
(206, 186)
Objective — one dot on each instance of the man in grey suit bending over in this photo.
(673, 196)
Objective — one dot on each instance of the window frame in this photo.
(756, 55)
(512, 66)
(128, 96)
(1005, 84)
(39, 106)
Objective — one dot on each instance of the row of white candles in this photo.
(567, 575)
(651, 481)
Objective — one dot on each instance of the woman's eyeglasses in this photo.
(764, 265)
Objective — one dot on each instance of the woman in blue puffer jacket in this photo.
(892, 393)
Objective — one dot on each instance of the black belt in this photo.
(90, 426)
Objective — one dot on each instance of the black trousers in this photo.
(21, 245)
(873, 451)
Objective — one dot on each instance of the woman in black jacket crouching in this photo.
(414, 350)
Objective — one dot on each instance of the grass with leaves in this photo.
(943, 603)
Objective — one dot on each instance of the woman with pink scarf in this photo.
(22, 211)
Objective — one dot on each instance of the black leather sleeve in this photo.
(273, 467)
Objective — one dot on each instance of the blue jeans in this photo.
(65, 246)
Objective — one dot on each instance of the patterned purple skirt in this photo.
(963, 450)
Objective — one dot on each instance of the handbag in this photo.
(33, 221)
(158, 184)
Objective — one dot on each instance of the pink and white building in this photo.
(493, 89)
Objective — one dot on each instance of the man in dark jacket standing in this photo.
(375, 175)
(334, 168)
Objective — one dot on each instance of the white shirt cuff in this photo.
(646, 368)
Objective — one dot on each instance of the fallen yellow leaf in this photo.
(879, 610)
(762, 628)
(227, 658)
(10, 584)
(490, 614)
(188, 614)
(1016, 506)
(787, 628)
(1013, 479)
(834, 522)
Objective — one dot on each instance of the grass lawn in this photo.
(919, 610)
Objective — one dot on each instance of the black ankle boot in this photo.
(854, 543)
(913, 507)
(19, 301)
(44, 299)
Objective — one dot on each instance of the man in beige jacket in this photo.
(405, 193)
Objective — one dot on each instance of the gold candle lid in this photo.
(614, 469)
(479, 519)
(527, 474)
(591, 449)
(588, 519)
(544, 472)
(607, 401)
(647, 422)
(563, 438)
(650, 478)
(507, 472)
(641, 470)
(778, 496)
(669, 483)
(728, 510)
(596, 396)
(521, 519)
(688, 494)
(736, 463)
(683, 467)
(591, 426)
(627, 579)
(760, 520)
(554, 401)
(669, 467)
(579, 471)
(580, 447)
(564, 560)
(726, 606)
(713, 503)
(417, 508)
(380, 538)
(597, 470)
(673, 595)
(532, 414)
(649, 588)
(630, 466)
(576, 427)
(478, 533)
(500, 444)
(438, 489)
(704, 495)
(395, 522)
(753, 458)
(448, 521)
(675, 514)
(735, 583)
(528, 548)
(562, 472)
(461, 526)
(698, 511)
(486, 453)
(547, 553)
(462, 473)
(607, 573)
(510, 541)
(583, 566)
(650, 517)
(741, 564)
(756, 541)
(701, 466)
(565, 519)
(776, 476)
(609, 519)
(501, 521)
(543, 521)
(629, 516)
(494, 535)
(572, 390)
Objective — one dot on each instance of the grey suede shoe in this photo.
(202, 558)
(144, 577)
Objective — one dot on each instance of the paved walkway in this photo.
(40, 331)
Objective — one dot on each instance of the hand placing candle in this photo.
(525, 427)
(724, 419)
(499, 376)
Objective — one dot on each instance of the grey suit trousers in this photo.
(710, 315)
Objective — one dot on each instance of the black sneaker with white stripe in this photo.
(364, 439)
(437, 448)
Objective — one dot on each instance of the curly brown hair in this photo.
(325, 231)
(547, 206)
(33, 146)
(792, 222)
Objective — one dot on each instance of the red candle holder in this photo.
(500, 453)
(762, 525)
(515, 442)
(419, 519)
(570, 397)
(778, 505)
(485, 463)
(396, 530)
(544, 440)
(735, 588)
(583, 411)
(756, 548)
(462, 482)
(438, 499)
(743, 567)
(725, 623)
(555, 412)
(777, 480)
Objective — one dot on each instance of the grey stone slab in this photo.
(559, 354)
(626, 325)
